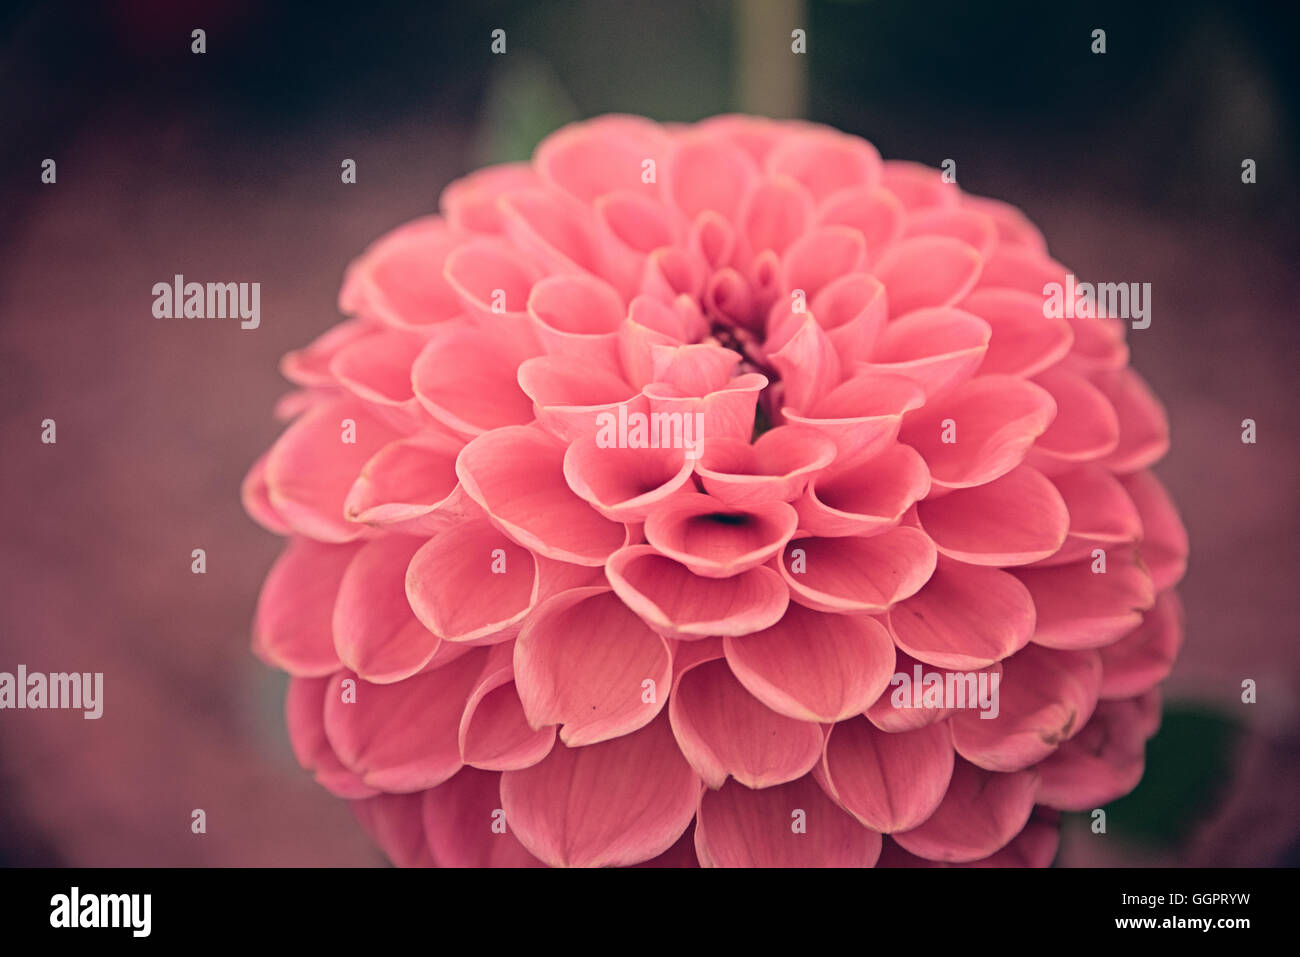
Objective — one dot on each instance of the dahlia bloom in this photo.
(525, 627)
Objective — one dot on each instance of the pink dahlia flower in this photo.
(645, 480)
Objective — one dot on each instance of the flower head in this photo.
(717, 494)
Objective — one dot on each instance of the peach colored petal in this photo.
(615, 803)
(814, 667)
(787, 825)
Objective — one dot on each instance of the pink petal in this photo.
(1014, 227)
(980, 814)
(465, 380)
(966, 617)
(517, 475)
(610, 804)
(819, 257)
(1144, 657)
(573, 397)
(703, 173)
(402, 737)
(577, 316)
(678, 603)
(292, 623)
(488, 273)
(1101, 513)
(375, 633)
(927, 271)
(1024, 341)
(774, 468)
(1085, 428)
(727, 413)
(715, 541)
(724, 730)
(494, 731)
(852, 309)
(996, 419)
(958, 222)
(889, 782)
(1143, 426)
(1164, 539)
(471, 583)
(864, 497)
(582, 661)
(906, 707)
(470, 203)
(1027, 270)
(466, 826)
(564, 237)
(588, 160)
(304, 709)
(776, 212)
(808, 364)
(863, 415)
(814, 667)
(1078, 608)
(824, 161)
(1013, 520)
(737, 827)
(398, 281)
(1045, 697)
(311, 469)
(625, 485)
(1105, 760)
(635, 220)
(851, 574)
(935, 348)
(253, 494)
(393, 822)
(408, 486)
(918, 186)
(874, 212)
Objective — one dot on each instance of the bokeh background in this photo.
(225, 166)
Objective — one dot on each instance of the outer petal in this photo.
(724, 730)
(676, 602)
(375, 632)
(583, 661)
(610, 804)
(1080, 608)
(393, 821)
(788, 825)
(851, 574)
(965, 617)
(304, 710)
(466, 826)
(1045, 697)
(292, 627)
(889, 782)
(1013, 520)
(980, 814)
(312, 466)
(402, 737)
(517, 475)
(814, 667)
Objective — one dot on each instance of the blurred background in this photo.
(226, 166)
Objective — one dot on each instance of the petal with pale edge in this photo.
(980, 814)
(610, 804)
(814, 667)
(788, 825)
